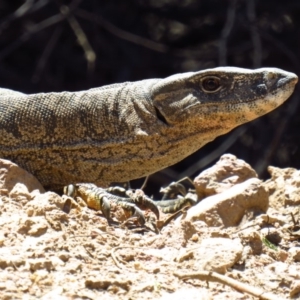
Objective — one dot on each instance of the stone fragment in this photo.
(100, 282)
(73, 266)
(2, 239)
(294, 253)
(44, 203)
(283, 187)
(188, 229)
(228, 208)
(40, 264)
(64, 256)
(35, 226)
(227, 172)
(56, 262)
(20, 192)
(11, 174)
(252, 237)
(218, 254)
(7, 259)
(295, 288)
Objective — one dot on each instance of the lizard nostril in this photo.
(270, 79)
(271, 76)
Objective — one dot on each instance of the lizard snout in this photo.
(279, 79)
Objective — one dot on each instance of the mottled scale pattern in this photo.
(171, 206)
(124, 131)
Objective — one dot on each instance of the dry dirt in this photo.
(206, 253)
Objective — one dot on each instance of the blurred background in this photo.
(48, 45)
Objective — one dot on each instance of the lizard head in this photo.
(229, 95)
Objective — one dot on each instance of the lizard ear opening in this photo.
(160, 116)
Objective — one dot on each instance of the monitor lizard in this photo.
(124, 131)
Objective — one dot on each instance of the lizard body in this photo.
(129, 130)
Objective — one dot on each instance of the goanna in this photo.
(124, 131)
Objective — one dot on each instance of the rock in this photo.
(100, 282)
(10, 260)
(228, 208)
(2, 239)
(20, 193)
(283, 187)
(278, 254)
(11, 174)
(64, 256)
(35, 226)
(227, 172)
(294, 253)
(55, 294)
(73, 266)
(43, 203)
(40, 264)
(218, 254)
(46, 253)
(295, 288)
(252, 237)
(56, 262)
(188, 229)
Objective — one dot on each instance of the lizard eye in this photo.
(210, 84)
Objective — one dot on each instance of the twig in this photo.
(293, 219)
(186, 254)
(45, 55)
(115, 258)
(226, 32)
(82, 39)
(24, 9)
(33, 30)
(239, 286)
(257, 55)
(145, 182)
(120, 33)
(85, 248)
(112, 253)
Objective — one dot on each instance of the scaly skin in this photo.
(173, 205)
(99, 199)
(125, 131)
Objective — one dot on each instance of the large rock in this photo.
(11, 174)
(228, 208)
(227, 172)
